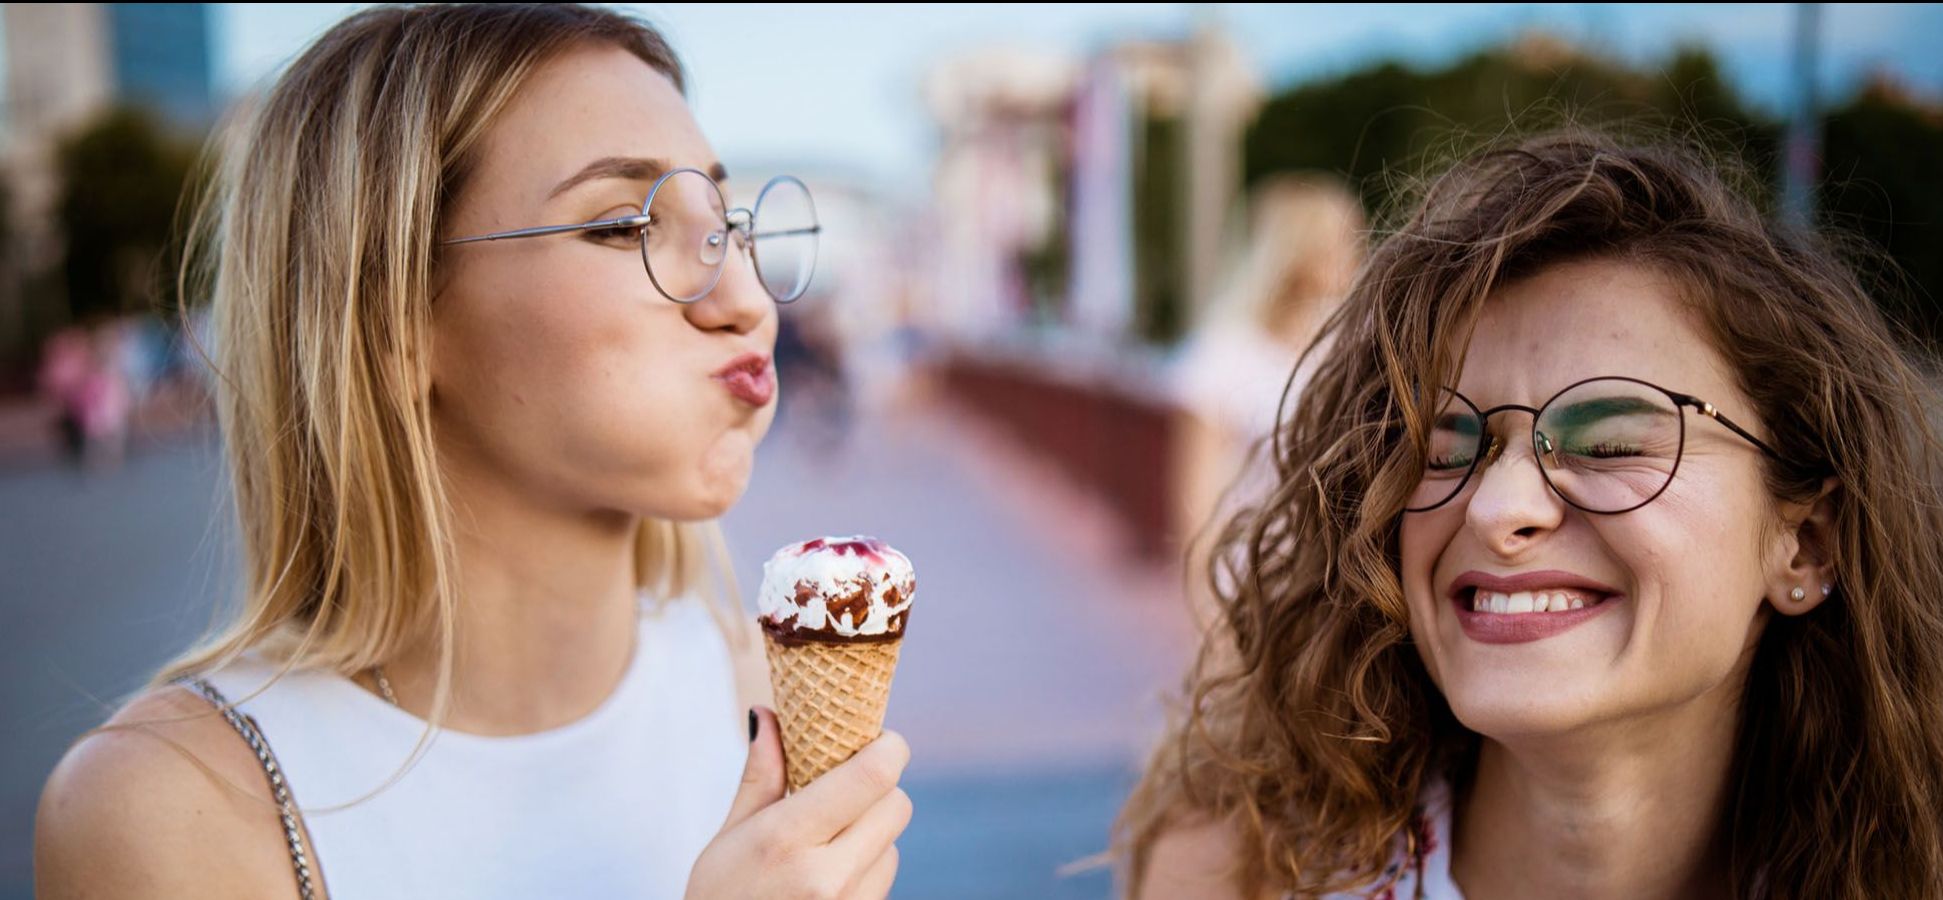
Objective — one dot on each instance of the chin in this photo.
(699, 500)
(1503, 710)
(713, 510)
(712, 501)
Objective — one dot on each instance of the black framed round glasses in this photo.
(1605, 445)
(685, 228)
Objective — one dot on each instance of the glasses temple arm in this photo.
(1708, 410)
(551, 229)
(813, 229)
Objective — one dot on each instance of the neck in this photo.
(546, 616)
(1632, 811)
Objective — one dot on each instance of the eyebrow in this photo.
(1577, 414)
(632, 168)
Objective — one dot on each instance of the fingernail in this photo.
(752, 726)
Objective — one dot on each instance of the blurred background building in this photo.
(1034, 216)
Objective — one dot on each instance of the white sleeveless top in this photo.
(617, 804)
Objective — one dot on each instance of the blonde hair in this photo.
(1296, 221)
(316, 246)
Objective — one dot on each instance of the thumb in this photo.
(762, 775)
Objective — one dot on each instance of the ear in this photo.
(1809, 529)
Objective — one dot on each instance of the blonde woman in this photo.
(477, 447)
(1305, 242)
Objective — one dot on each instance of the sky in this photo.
(839, 85)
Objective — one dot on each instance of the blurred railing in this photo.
(1099, 416)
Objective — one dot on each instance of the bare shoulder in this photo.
(1197, 857)
(168, 801)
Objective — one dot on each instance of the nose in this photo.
(738, 303)
(1511, 504)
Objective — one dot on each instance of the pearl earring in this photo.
(1827, 589)
(1797, 594)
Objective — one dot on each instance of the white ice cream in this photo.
(847, 587)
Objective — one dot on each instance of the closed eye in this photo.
(1608, 450)
(626, 228)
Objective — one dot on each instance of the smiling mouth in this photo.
(1480, 600)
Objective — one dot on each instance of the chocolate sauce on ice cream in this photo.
(836, 590)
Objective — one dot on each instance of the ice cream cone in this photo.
(833, 614)
(830, 700)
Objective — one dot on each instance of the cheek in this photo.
(580, 384)
(1421, 539)
(726, 462)
(653, 431)
(572, 390)
(1694, 557)
(518, 321)
(639, 396)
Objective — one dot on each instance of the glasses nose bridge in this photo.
(1495, 445)
(742, 224)
(1494, 448)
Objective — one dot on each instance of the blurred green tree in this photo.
(1882, 164)
(121, 179)
(1387, 124)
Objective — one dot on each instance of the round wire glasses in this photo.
(685, 227)
(1605, 445)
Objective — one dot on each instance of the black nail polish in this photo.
(752, 726)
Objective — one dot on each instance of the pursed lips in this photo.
(748, 378)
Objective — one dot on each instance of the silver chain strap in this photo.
(246, 726)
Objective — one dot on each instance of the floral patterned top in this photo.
(1422, 867)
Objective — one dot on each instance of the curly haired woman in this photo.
(1604, 563)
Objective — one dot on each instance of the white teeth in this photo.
(1526, 601)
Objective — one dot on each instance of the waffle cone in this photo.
(830, 700)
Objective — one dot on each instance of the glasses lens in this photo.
(1454, 440)
(1609, 445)
(687, 237)
(785, 238)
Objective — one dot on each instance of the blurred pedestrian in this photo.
(65, 361)
(1304, 242)
(82, 380)
(810, 358)
(104, 402)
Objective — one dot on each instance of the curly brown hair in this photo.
(1311, 725)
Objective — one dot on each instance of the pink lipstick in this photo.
(749, 379)
(1518, 624)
